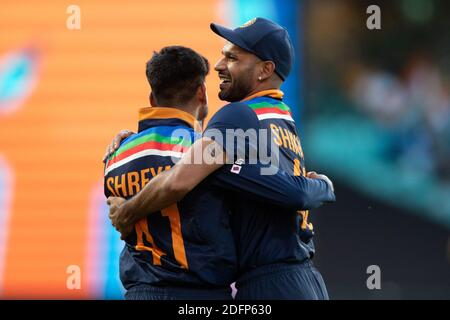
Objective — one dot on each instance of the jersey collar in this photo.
(166, 113)
(273, 93)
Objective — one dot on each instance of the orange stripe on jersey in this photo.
(141, 230)
(166, 113)
(273, 93)
(177, 237)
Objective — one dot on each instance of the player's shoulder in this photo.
(234, 109)
(236, 114)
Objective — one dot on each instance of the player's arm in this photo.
(257, 181)
(171, 186)
(202, 159)
(168, 187)
(280, 188)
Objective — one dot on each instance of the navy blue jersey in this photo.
(267, 233)
(189, 243)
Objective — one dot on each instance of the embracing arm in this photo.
(168, 187)
(202, 159)
(278, 188)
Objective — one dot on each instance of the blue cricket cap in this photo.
(265, 39)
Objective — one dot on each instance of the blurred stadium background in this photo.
(373, 109)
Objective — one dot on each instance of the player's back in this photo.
(266, 234)
(276, 235)
(188, 244)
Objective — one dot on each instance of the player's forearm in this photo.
(161, 192)
(279, 188)
(315, 192)
(171, 186)
(301, 193)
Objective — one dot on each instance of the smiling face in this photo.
(237, 72)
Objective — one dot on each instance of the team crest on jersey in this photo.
(248, 23)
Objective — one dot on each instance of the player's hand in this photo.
(114, 145)
(116, 216)
(315, 175)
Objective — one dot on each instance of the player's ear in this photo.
(153, 102)
(267, 70)
(202, 95)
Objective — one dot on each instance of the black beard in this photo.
(238, 91)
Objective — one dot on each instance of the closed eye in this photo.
(230, 56)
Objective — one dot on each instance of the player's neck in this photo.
(189, 107)
(260, 88)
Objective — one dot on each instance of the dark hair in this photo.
(175, 73)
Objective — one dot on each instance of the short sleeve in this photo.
(235, 127)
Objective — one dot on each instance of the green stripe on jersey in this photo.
(261, 105)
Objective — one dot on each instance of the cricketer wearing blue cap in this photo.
(275, 246)
(187, 250)
(273, 242)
